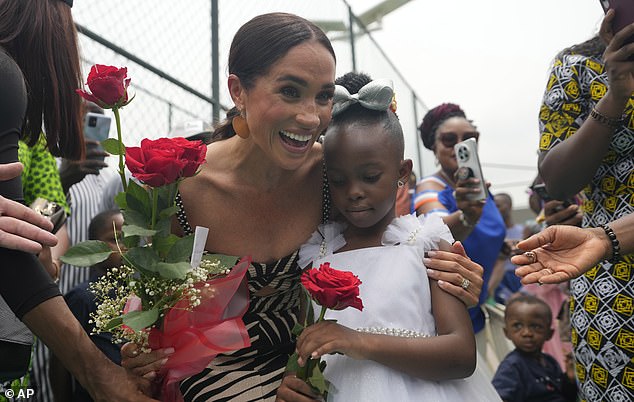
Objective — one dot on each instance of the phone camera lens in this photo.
(463, 154)
(92, 121)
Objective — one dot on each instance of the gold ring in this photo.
(465, 283)
(531, 256)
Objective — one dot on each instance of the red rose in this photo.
(163, 161)
(109, 86)
(332, 288)
(194, 153)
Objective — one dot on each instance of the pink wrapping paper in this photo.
(213, 327)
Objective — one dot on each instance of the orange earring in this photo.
(240, 126)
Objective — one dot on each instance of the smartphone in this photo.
(97, 128)
(540, 190)
(624, 15)
(51, 210)
(469, 166)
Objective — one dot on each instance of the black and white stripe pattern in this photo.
(255, 373)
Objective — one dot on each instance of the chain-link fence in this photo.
(168, 48)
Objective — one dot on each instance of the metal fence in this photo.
(174, 49)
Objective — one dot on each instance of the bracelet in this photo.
(605, 120)
(58, 272)
(616, 247)
(464, 221)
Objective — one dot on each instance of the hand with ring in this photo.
(456, 273)
(142, 364)
(560, 253)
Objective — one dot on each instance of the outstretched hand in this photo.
(561, 252)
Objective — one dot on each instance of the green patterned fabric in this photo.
(602, 304)
(40, 177)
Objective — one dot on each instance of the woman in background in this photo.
(477, 223)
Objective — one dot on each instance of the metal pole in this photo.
(215, 69)
(169, 115)
(117, 49)
(351, 22)
(418, 154)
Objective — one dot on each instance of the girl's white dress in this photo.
(397, 301)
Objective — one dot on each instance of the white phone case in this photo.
(467, 156)
(96, 126)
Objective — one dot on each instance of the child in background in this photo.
(412, 340)
(81, 302)
(527, 374)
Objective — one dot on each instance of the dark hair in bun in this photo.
(434, 118)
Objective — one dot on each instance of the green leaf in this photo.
(174, 270)
(317, 380)
(138, 199)
(119, 199)
(135, 218)
(166, 195)
(164, 245)
(133, 230)
(114, 323)
(168, 212)
(182, 250)
(113, 146)
(143, 258)
(131, 241)
(297, 329)
(291, 365)
(87, 253)
(137, 320)
(163, 227)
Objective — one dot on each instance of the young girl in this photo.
(412, 340)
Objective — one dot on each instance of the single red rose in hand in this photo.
(109, 86)
(332, 288)
(194, 153)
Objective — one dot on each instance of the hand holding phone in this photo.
(96, 129)
(540, 190)
(469, 166)
(623, 15)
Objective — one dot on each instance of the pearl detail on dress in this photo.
(404, 333)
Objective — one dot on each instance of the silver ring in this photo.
(465, 283)
(531, 256)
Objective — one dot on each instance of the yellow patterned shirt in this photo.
(603, 299)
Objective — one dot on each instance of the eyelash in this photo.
(290, 92)
(372, 179)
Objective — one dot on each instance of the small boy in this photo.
(527, 374)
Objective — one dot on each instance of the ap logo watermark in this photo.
(21, 394)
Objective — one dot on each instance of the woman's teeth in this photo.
(296, 137)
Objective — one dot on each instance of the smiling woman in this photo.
(281, 80)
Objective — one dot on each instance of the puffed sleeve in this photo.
(327, 239)
(424, 232)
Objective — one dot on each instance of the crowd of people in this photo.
(326, 155)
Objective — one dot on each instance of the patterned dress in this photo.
(255, 373)
(602, 299)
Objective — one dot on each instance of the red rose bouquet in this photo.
(168, 293)
(331, 289)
